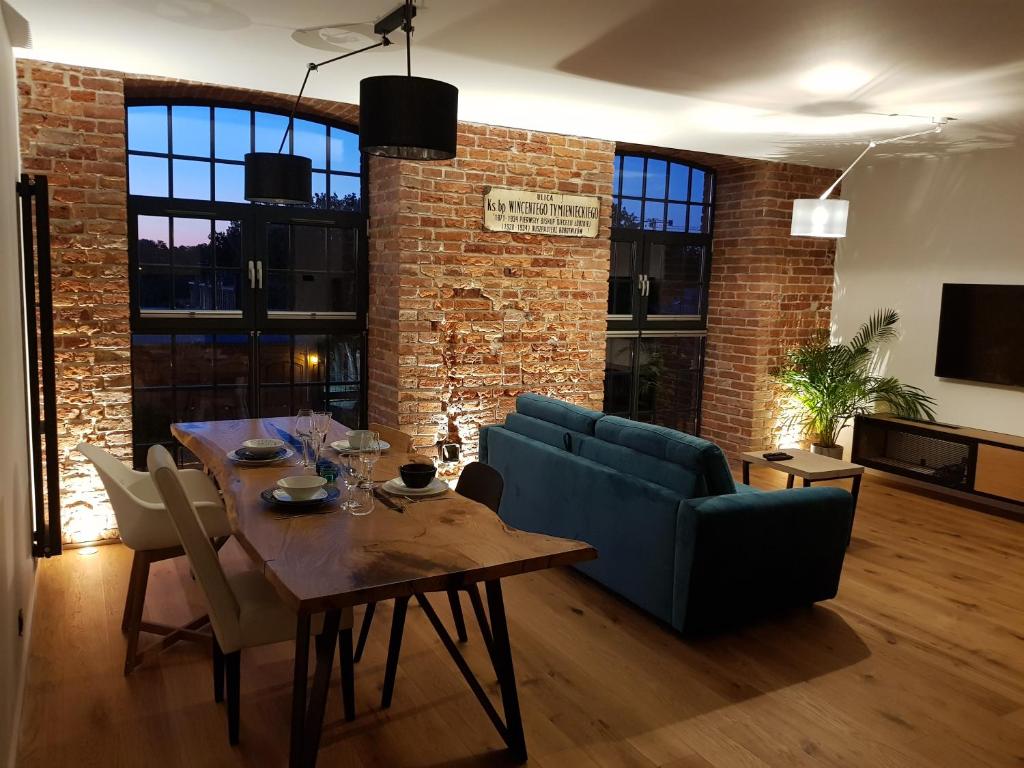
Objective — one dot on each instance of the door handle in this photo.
(252, 274)
(259, 275)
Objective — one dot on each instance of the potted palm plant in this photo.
(832, 383)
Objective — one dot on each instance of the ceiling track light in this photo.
(400, 116)
(822, 217)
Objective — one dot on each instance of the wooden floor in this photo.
(919, 662)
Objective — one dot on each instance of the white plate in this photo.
(398, 488)
(288, 453)
(284, 496)
(342, 446)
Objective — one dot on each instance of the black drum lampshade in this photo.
(411, 118)
(272, 177)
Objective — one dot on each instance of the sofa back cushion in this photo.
(683, 480)
(692, 455)
(543, 431)
(572, 417)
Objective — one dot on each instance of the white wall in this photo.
(17, 572)
(915, 223)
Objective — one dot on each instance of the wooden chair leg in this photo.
(137, 589)
(394, 651)
(460, 621)
(364, 630)
(348, 676)
(129, 598)
(233, 663)
(218, 672)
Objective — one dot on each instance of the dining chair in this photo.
(483, 484)
(245, 611)
(146, 529)
(400, 441)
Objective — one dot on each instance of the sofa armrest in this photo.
(743, 554)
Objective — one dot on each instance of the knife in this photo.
(387, 500)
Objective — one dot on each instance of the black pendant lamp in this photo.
(400, 116)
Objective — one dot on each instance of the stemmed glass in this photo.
(351, 478)
(369, 455)
(304, 430)
(321, 428)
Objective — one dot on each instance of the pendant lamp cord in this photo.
(407, 26)
(871, 145)
(313, 67)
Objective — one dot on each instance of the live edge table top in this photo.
(335, 560)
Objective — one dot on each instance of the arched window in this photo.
(662, 214)
(241, 310)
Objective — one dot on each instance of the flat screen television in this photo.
(981, 334)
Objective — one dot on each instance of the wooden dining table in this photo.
(324, 563)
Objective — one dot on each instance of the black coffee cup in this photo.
(417, 475)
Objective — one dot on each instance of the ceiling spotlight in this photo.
(835, 79)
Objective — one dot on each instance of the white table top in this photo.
(811, 466)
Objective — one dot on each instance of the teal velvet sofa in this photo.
(674, 533)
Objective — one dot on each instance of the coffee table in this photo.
(811, 467)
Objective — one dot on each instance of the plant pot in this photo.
(832, 451)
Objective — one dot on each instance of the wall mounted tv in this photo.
(981, 334)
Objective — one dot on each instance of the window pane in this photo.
(231, 133)
(147, 175)
(147, 129)
(269, 130)
(674, 272)
(193, 359)
(190, 128)
(227, 242)
(656, 173)
(232, 360)
(618, 376)
(277, 246)
(311, 141)
(626, 214)
(632, 176)
(620, 288)
(345, 192)
(230, 181)
(698, 219)
(669, 381)
(342, 261)
(654, 215)
(193, 289)
(697, 191)
(615, 174)
(344, 150)
(676, 221)
(320, 190)
(275, 358)
(152, 414)
(153, 238)
(149, 361)
(191, 180)
(227, 289)
(310, 247)
(192, 242)
(678, 181)
(154, 288)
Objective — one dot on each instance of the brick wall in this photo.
(482, 316)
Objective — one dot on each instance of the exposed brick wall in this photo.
(768, 293)
(484, 316)
(73, 131)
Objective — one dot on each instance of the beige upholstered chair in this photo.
(245, 611)
(400, 442)
(146, 528)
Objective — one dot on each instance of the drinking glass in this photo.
(350, 479)
(321, 428)
(304, 431)
(361, 501)
(369, 455)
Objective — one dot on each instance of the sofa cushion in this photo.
(544, 431)
(677, 477)
(567, 415)
(699, 456)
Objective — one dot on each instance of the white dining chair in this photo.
(146, 528)
(245, 611)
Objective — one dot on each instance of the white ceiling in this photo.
(806, 81)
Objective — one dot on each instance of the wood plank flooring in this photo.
(918, 662)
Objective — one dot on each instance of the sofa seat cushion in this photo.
(567, 415)
(703, 458)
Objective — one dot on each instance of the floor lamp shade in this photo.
(272, 177)
(412, 118)
(820, 218)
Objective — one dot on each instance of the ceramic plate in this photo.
(398, 488)
(342, 446)
(280, 498)
(233, 455)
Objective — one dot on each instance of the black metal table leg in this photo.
(394, 651)
(364, 630)
(514, 736)
(789, 481)
(299, 676)
(314, 724)
(746, 473)
(854, 492)
(807, 482)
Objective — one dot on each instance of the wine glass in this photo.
(304, 430)
(369, 455)
(321, 428)
(351, 479)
